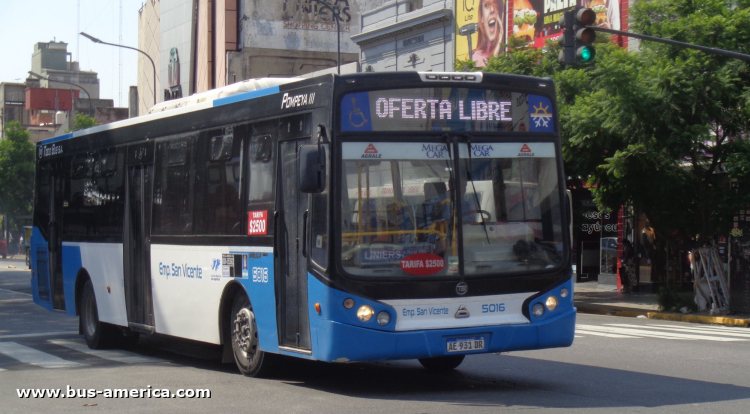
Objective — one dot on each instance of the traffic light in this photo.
(578, 37)
(567, 55)
(584, 36)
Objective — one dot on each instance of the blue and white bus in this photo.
(340, 218)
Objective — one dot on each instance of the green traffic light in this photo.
(585, 54)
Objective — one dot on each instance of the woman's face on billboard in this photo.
(491, 20)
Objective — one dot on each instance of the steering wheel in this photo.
(485, 214)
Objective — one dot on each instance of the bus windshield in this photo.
(503, 202)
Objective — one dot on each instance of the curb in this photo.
(676, 317)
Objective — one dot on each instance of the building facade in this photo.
(46, 105)
(207, 44)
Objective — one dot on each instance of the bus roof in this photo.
(240, 91)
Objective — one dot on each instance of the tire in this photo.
(442, 364)
(97, 334)
(243, 332)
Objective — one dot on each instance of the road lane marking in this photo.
(112, 355)
(32, 356)
(687, 329)
(655, 334)
(15, 336)
(7, 301)
(714, 328)
(608, 335)
(17, 293)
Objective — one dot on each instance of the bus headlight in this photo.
(564, 293)
(538, 310)
(364, 313)
(551, 303)
(383, 318)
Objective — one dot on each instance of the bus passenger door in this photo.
(137, 236)
(57, 191)
(291, 271)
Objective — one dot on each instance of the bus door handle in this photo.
(304, 233)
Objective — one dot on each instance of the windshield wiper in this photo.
(470, 167)
(452, 192)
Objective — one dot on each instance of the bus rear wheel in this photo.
(96, 333)
(248, 356)
(439, 364)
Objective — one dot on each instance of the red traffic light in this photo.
(585, 17)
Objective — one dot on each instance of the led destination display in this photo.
(446, 109)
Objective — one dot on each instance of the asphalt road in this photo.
(615, 365)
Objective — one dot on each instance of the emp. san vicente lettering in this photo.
(431, 311)
(184, 270)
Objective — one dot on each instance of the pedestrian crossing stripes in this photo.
(27, 355)
(34, 357)
(673, 332)
(112, 355)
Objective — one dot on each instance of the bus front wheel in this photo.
(445, 363)
(250, 360)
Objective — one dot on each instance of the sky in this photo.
(25, 23)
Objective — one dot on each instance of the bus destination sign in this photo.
(446, 109)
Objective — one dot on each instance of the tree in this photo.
(83, 121)
(16, 172)
(663, 128)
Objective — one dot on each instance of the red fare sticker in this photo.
(257, 222)
(422, 264)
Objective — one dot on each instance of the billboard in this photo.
(483, 26)
(480, 29)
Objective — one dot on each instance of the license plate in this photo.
(465, 344)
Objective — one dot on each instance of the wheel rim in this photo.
(90, 316)
(245, 336)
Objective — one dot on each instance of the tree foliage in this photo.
(83, 121)
(16, 171)
(663, 128)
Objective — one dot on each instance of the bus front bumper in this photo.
(337, 342)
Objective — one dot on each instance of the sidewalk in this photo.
(590, 297)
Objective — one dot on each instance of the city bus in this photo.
(361, 217)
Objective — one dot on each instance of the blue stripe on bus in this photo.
(38, 246)
(71, 264)
(246, 96)
(335, 338)
(56, 139)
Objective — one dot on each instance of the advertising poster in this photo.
(481, 29)
(481, 24)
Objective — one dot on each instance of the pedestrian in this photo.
(3, 249)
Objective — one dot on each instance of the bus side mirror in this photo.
(312, 168)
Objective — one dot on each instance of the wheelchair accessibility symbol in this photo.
(357, 118)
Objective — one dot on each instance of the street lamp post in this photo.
(336, 15)
(88, 96)
(95, 40)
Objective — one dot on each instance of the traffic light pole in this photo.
(711, 50)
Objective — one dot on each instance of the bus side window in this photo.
(173, 187)
(217, 198)
(261, 184)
